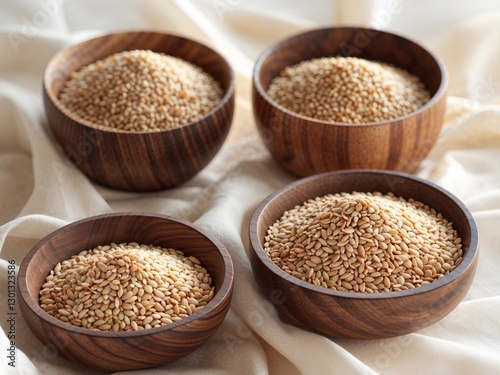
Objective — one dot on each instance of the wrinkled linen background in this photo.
(40, 191)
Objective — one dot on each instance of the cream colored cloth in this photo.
(40, 192)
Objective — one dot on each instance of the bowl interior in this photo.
(148, 229)
(354, 42)
(406, 186)
(75, 57)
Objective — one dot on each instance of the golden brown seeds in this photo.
(115, 298)
(140, 91)
(401, 244)
(348, 90)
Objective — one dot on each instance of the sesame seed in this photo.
(140, 91)
(388, 257)
(122, 305)
(348, 90)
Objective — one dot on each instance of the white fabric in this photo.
(40, 191)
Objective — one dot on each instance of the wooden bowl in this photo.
(119, 351)
(354, 314)
(306, 146)
(138, 161)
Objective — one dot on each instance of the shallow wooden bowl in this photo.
(362, 315)
(138, 161)
(119, 351)
(305, 146)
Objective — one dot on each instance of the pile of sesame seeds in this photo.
(364, 242)
(126, 287)
(348, 90)
(140, 91)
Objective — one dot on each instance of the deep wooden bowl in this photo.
(119, 351)
(138, 161)
(362, 315)
(305, 146)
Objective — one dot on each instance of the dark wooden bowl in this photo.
(119, 351)
(305, 146)
(362, 315)
(138, 161)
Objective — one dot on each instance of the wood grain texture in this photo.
(138, 161)
(119, 351)
(305, 146)
(362, 315)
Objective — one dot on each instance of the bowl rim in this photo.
(438, 95)
(224, 293)
(467, 261)
(107, 129)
